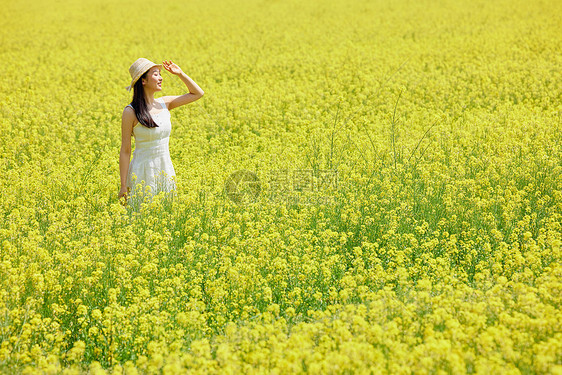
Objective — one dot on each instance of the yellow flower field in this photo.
(404, 215)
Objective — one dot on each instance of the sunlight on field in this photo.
(402, 208)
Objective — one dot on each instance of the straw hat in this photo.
(138, 68)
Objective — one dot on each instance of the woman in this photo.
(148, 120)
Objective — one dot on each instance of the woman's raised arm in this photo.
(195, 92)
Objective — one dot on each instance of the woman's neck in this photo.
(149, 98)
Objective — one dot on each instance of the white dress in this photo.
(151, 170)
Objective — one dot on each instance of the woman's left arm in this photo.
(195, 91)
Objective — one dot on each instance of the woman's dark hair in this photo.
(139, 104)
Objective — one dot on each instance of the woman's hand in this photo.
(124, 194)
(171, 67)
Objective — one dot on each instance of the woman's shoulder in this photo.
(129, 112)
(128, 109)
(129, 115)
(162, 100)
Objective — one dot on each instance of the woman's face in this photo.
(153, 80)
